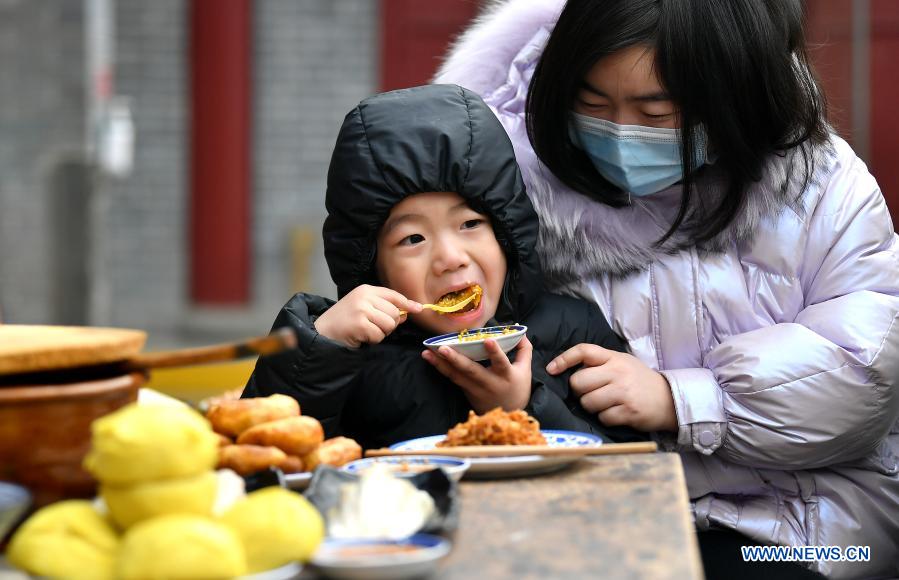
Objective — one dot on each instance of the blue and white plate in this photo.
(411, 465)
(493, 467)
(411, 557)
(474, 349)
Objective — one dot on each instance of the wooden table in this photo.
(623, 516)
(610, 517)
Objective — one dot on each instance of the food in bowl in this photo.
(495, 427)
(478, 334)
(470, 342)
(379, 505)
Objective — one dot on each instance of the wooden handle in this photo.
(519, 450)
(278, 340)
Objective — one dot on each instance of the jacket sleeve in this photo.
(319, 373)
(821, 389)
(552, 402)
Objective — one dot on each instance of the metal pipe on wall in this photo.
(861, 78)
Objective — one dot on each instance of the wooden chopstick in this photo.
(520, 450)
(279, 340)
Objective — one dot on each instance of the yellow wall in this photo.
(191, 384)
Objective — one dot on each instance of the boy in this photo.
(424, 199)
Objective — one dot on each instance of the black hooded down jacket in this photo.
(430, 138)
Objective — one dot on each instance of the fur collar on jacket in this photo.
(580, 237)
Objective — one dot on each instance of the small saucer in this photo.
(411, 557)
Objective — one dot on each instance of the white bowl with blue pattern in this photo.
(474, 348)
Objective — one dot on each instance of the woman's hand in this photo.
(619, 387)
(365, 315)
(502, 384)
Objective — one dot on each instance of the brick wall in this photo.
(139, 252)
(313, 60)
(41, 139)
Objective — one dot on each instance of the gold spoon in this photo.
(447, 309)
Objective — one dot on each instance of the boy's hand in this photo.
(503, 383)
(618, 387)
(365, 315)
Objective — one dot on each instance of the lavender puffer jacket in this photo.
(778, 338)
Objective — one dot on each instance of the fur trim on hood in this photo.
(580, 237)
(481, 55)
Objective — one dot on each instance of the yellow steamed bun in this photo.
(144, 442)
(68, 539)
(276, 526)
(180, 546)
(134, 503)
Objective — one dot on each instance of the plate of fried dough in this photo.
(260, 433)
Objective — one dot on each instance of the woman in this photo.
(687, 182)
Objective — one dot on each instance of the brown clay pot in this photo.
(45, 433)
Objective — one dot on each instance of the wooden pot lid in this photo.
(33, 348)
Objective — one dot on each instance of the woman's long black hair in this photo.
(737, 67)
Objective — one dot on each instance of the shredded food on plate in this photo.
(495, 427)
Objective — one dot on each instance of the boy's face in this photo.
(433, 244)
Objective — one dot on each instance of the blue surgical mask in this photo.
(640, 160)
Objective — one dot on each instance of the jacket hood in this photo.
(435, 138)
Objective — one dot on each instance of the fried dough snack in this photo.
(223, 440)
(247, 459)
(276, 435)
(495, 427)
(336, 452)
(232, 395)
(292, 464)
(234, 416)
(293, 435)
